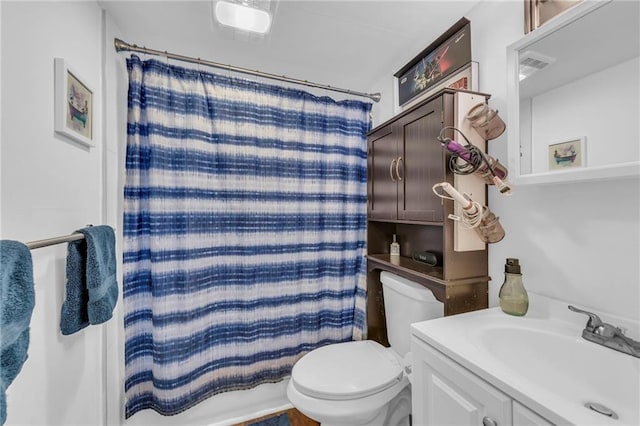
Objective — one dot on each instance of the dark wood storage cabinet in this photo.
(405, 160)
(402, 165)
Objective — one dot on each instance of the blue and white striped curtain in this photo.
(244, 232)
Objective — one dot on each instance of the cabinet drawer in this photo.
(445, 393)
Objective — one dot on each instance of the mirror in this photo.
(574, 96)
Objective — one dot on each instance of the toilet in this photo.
(362, 382)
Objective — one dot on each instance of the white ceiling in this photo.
(349, 44)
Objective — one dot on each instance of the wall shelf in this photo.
(429, 276)
(415, 271)
(407, 222)
(618, 171)
(460, 295)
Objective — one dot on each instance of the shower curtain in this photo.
(244, 232)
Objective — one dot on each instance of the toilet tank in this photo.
(406, 302)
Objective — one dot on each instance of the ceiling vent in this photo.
(532, 62)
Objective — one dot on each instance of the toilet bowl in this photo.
(362, 382)
(347, 383)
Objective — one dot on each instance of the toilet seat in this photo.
(346, 371)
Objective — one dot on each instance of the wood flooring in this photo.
(295, 417)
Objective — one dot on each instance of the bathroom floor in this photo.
(296, 418)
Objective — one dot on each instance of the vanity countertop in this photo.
(542, 361)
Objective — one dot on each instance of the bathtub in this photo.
(224, 409)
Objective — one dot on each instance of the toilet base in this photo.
(399, 409)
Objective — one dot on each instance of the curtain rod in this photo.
(56, 240)
(123, 46)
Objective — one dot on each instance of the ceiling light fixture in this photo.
(242, 16)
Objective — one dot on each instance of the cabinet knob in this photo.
(391, 169)
(488, 421)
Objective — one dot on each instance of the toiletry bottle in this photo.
(513, 296)
(394, 251)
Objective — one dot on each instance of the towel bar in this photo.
(56, 240)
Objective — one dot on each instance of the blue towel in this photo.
(92, 289)
(17, 299)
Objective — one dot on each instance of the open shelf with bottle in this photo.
(459, 280)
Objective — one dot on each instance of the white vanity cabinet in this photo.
(445, 393)
(522, 416)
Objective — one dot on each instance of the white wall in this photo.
(51, 187)
(576, 242)
(116, 86)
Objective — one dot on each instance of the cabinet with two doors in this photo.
(446, 393)
(404, 160)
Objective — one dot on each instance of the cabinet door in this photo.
(382, 179)
(445, 393)
(421, 164)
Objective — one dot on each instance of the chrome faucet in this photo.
(607, 335)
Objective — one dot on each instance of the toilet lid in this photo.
(347, 370)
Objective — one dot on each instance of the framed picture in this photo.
(73, 104)
(567, 154)
(446, 55)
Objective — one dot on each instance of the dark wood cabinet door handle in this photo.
(398, 167)
(391, 169)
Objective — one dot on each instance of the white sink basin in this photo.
(542, 361)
